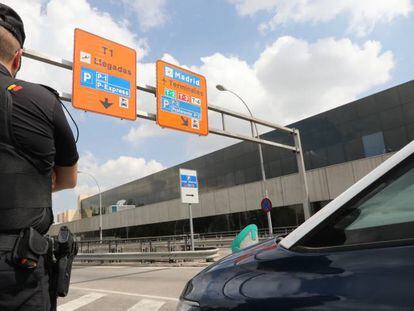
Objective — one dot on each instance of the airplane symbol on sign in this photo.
(85, 57)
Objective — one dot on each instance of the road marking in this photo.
(127, 267)
(147, 305)
(124, 293)
(109, 267)
(80, 302)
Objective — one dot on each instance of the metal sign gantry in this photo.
(297, 148)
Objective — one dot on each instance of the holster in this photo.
(30, 245)
(65, 251)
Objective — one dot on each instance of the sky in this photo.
(288, 59)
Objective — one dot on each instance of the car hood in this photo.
(233, 268)
(262, 276)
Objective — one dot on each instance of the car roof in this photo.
(351, 192)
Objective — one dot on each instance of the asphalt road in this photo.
(126, 288)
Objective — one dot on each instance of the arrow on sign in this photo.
(106, 103)
(185, 121)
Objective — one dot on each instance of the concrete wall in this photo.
(324, 184)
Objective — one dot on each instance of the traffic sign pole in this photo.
(269, 221)
(190, 212)
(189, 194)
(269, 217)
(307, 210)
(264, 188)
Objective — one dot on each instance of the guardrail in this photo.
(207, 254)
(170, 243)
(216, 235)
(263, 232)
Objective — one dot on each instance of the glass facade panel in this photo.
(373, 144)
(336, 154)
(365, 107)
(354, 149)
(406, 92)
(289, 165)
(319, 158)
(410, 131)
(408, 113)
(275, 169)
(392, 118)
(395, 138)
(386, 99)
(369, 124)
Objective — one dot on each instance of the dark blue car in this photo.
(357, 253)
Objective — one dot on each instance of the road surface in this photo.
(125, 288)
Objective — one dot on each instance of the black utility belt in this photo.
(7, 242)
(26, 247)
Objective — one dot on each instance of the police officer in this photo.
(37, 156)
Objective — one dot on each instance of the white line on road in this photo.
(80, 302)
(147, 305)
(130, 267)
(109, 267)
(124, 293)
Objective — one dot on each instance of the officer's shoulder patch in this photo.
(52, 90)
(14, 87)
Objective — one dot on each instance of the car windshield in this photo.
(382, 212)
(390, 203)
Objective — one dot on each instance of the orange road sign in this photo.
(104, 76)
(181, 99)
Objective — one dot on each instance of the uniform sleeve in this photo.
(66, 152)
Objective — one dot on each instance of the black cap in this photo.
(11, 21)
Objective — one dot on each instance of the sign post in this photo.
(190, 213)
(189, 195)
(104, 76)
(181, 99)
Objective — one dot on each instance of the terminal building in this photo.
(340, 146)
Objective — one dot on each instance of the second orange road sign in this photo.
(181, 99)
(104, 76)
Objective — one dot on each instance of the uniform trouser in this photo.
(23, 289)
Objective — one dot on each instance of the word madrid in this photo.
(182, 76)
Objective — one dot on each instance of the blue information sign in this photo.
(189, 181)
(266, 205)
(181, 108)
(104, 82)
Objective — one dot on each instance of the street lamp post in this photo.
(100, 203)
(264, 188)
